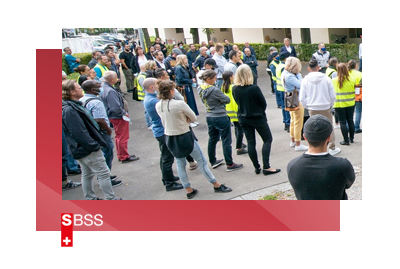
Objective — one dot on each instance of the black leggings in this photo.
(261, 126)
(346, 119)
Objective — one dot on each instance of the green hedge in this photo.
(344, 52)
(85, 59)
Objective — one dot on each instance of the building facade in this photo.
(261, 35)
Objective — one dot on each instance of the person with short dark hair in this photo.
(220, 63)
(227, 49)
(101, 66)
(93, 61)
(83, 71)
(126, 58)
(72, 62)
(317, 95)
(316, 175)
(232, 64)
(162, 46)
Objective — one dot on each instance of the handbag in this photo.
(292, 100)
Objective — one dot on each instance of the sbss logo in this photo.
(79, 220)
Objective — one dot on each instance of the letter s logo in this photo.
(66, 220)
(98, 218)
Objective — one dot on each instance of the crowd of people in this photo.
(225, 79)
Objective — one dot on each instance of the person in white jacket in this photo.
(318, 96)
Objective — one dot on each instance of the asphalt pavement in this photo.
(142, 179)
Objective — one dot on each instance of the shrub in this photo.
(85, 59)
(344, 52)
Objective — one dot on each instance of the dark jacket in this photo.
(182, 76)
(200, 62)
(163, 49)
(192, 55)
(82, 132)
(252, 62)
(170, 63)
(135, 64)
(113, 102)
(293, 53)
(227, 49)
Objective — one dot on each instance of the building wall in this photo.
(218, 36)
(296, 36)
(319, 35)
(277, 34)
(251, 35)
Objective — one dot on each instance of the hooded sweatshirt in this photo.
(316, 92)
(214, 100)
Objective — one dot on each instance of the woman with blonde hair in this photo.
(252, 117)
(291, 81)
(344, 105)
(184, 81)
(179, 137)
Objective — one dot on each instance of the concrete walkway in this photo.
(142, 179)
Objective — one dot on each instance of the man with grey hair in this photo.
(199, 63)
(251, 61)
(166, 158)
(322, 56)
(118, 115)
(93, 61)
(289, 48)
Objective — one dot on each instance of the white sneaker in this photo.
(300, 148)
(292, 144)
(337, 126)
(196, 123)
(192, 125)
(335, 151)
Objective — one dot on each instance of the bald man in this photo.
(166, 158)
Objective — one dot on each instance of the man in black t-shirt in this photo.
(125, 58)
(317, 175)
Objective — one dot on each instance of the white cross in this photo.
(66, 240)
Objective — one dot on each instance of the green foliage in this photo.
(73, 76)
(85, 59)
(344, 52)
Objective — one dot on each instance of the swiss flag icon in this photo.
(67, 229)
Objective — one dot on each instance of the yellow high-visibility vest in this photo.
(345, 96)
(279, 69)
(276, 66)
(329, 71)
(102, 69)
(140, 89)
(232, 107)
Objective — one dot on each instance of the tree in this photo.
(305, 35)
(146, 38)
(208, 32)
(195, 34)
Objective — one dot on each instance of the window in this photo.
(355, 32)
(179, 30)
(224, 29)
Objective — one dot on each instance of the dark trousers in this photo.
(250, 126)
(219, 127)
(238, 134)
(166, 162)
(64, 157)
(109, 150)
(346, 119)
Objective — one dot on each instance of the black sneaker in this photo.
(241, 151)
(113, 177)
(71, 185)
(192, 194)
(222, 188)
(217, 163)
(233, 167)
(174, 186)
(116, 183)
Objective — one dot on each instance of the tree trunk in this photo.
(157, 33)
(195, 34)
(146, 38)
(305, 35)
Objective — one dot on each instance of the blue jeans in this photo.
(285, 114)
(198, 155)
(358, 114)
(109, 150)
(219, 126)
(219, 83)
(72, 164)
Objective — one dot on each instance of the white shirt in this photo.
(289, 49)
(360, 51)
(141, 60)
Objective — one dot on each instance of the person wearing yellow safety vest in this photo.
(231, 111)
(273, 65)
(101, 65)
(280, 91)
(141, 93)
(331, 69)
(344, 105)
(357, 75)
